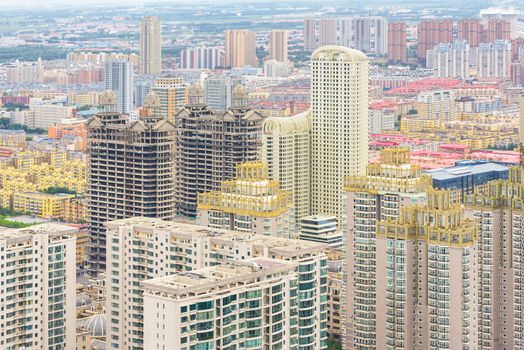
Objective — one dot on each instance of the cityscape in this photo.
(262, 175)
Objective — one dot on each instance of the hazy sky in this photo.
(85, 3)
(47, 3)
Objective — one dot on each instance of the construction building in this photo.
(210, 145)
(168, 252)
(250, 202)
(131, 170)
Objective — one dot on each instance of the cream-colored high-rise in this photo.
(150, 45)
(286, 149)
(339, 124)
(278, 45)
(241, 46)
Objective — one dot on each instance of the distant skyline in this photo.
(357, 3)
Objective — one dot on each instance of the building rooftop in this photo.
(219, 277)
(464, 168)
(50, 228)
(275, 245)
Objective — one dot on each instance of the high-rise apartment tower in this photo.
(397, 50)
(339, 124)
(131, 170)
(118, 77)
(210, 145)
(150, 45)
(278, 45)
(241, 48)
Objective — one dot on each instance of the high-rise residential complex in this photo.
(310, 34)
(201, 58)
(458, 60)
(118, 77)
(218, 91)
(371, 35)
(517, 49)
(182, 258)
(517, 74)
(130, 168)
(433, 32)
(286, 148)
(388, 185)
(25, 72)
(436, 104)
(44, 115)
(210, 145)
(276, 69)
(380, 120)
(497, 29)
(498, 211)
(278, 45)
(150, 45)
(470, 30)
(263, 291)
(240, 48)
(38, 287)
(397, 49)
(450, 60)
(506, 14)
(142, 88)
(427, 265)
(345, 32)
(493, 60)
(172, 94)
(250, 202)
(339, 124)
(327, 31)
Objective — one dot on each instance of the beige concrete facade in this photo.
(150, 45)
(339, 124)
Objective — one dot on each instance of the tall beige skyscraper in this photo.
(150, 45)
(241, 47)
(278, 45)
(286, 145)
(339, 130)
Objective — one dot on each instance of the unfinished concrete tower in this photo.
(131, 171)
(210, 145)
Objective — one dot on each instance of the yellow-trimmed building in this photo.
(251, 202)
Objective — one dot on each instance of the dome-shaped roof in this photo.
(152, 100)
(107, 97)
(96, 325)
(339, 53)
